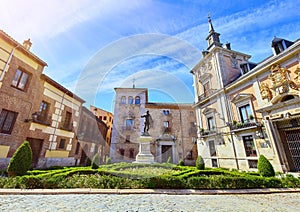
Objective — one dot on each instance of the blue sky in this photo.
(93, 46)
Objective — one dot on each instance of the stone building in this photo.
(107, 118)
(20, 72)
(245, 109)
(173, 129)
(91, 135)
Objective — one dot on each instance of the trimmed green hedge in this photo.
(21, 160)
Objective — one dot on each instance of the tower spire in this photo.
(211, 28)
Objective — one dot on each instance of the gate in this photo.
(289, 131)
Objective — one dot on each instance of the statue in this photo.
(148, 120)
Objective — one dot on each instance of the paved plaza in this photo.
(150, 202)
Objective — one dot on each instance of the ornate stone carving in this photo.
(297, 78)
(265, 91)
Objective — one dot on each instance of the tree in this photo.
(21, 160)
(200, 163)
(265, 168)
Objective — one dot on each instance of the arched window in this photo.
(123, 100)
(130, 100)
(137, 100)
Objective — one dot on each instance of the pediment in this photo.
(241, 97)
(209, 110)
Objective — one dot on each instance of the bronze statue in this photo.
(148, 120)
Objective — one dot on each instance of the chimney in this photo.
(228, 46)
(27, 44)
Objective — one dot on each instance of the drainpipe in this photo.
(8, 62)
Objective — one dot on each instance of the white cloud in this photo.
(36, 19)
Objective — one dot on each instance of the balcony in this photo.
(42, 119)
(206, 94)
(67, 126)
(207, 133)
(247, 124)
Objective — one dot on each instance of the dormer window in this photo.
(244, 68)
(279, 45)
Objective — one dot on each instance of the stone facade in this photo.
(246, 109)
(173, 128)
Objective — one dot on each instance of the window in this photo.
(20, 80)
(62, 143)
(166, 112)
(252, 164)
(137, 100)
(249, 146)
(129, 124)
(68, 121)
(244, 68)
(131, 153)
(212, 148)
(123, 100)
(122, 151)
(7, 121)
(130, 100)
(104, 118)
(278, 47)
(166, 124)
(214, 163)
(245, 113)
(44, 108)
(206, 89)
(211, 123)
(127, 138)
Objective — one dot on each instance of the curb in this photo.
(146, 191)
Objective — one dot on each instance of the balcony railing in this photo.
(206, 94)
(67, 126)
(43, 119)
(206, 133)
(247, 124)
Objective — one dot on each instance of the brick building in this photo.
(173, 129)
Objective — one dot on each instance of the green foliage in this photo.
(138, 176)
(108, 160)
(96, 161)
(181, 163)
(200, 163)
(265, 168)
(21, 160)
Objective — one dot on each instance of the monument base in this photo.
(144, 155)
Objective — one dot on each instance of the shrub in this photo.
(265, 168)
(200, 163)
(96, 161)
(21, 160)
(108, 160)
(181, 163)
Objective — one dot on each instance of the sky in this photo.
(91, 46)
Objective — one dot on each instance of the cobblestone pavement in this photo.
(151, 202)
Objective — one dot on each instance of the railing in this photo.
(249, 123)
(43, 119)
(206, 133)
(206, 94)
(67, 126)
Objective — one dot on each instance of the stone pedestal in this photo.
(144, 155)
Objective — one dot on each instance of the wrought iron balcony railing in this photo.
(206, 94)
(249, 123)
